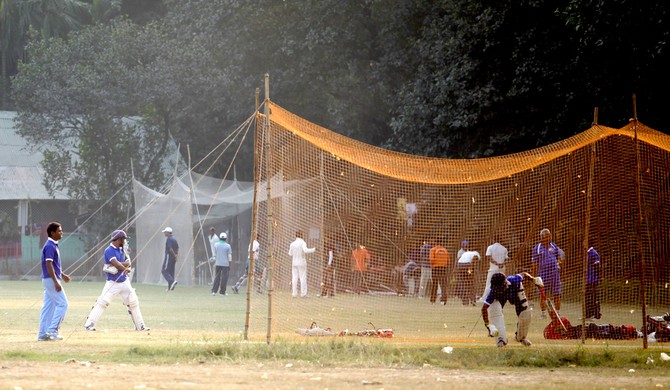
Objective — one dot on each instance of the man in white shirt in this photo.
(213, 239)
(465, 245)
(496, 254)
(297, 251)
(465, 273)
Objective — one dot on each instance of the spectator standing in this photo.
(592, 282)
(213, 239)
(424, 264)
(465, 244)
(465, 276)
(55, 301)
(496, 254)
(297, 251)
(411, 274)
(360, 258)
(224, 256)
(328, 288)
(439, 263)
(547, 258)
(170, 259)
(253, 248)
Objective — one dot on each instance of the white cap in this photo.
(223, 236)
(167, 229)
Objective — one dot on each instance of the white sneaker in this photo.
(90, 327)
(526, 342)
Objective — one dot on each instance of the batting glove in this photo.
(538, 281)
(493, 331)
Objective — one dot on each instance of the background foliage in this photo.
(445, 78)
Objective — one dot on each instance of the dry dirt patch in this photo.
(215, 375)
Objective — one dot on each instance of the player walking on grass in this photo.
(170, 260)
(508, 289)
(55, 300)
(117, 267)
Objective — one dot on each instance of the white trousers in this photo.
(299, 272)
(426, 275)
(128, 297)
(496, 318)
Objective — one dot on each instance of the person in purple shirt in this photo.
(117, 268)
(55, 300)
(547, 258)
(592, 281)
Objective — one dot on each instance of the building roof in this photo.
(21, 175)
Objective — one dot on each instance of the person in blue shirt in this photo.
(117, 267)
(224, 255)
(508, 289)
(592, 281)
(55, 301)
(547, 259)
(170, 259)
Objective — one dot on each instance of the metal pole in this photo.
(254, 209)
(268, 177)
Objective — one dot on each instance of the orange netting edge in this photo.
(450, 171)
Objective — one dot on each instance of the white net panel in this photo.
(190, 209)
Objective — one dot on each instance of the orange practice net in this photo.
(344, 195)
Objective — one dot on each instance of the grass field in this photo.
(196, 342)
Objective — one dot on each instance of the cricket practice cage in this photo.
(368, 212)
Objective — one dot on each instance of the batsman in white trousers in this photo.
(508, 289)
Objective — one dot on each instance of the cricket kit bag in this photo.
(660, 325)
(554, 331)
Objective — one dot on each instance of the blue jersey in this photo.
(171, 243)
(50, 253)
(223, 250)
(546, 258)
(514, 294)
(113, 252)
(594, 262)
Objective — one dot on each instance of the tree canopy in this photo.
(442, 78)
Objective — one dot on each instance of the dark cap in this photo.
(116, 234)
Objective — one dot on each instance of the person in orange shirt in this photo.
(360, 258)
(439, 263)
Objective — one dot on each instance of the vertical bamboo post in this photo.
(251, 277)
(587, 226)
(638, 228)
(595, 117)
(268, 177)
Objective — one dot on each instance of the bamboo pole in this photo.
(638, 228)
(251, 276)
(268, 177)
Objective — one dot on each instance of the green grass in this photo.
(190, 325)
